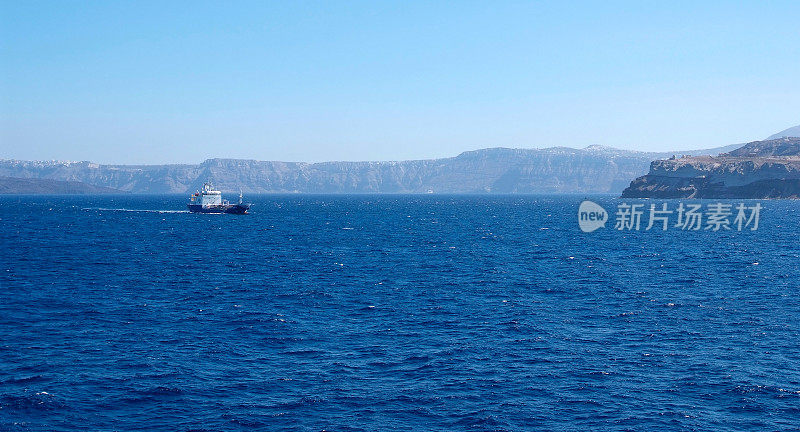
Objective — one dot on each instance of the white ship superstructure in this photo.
(209, 200)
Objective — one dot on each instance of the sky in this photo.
(179, 82)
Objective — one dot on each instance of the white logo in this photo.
(591, 216)
(717, 216)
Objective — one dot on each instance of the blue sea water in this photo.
(363, 313)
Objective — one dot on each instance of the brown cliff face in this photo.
(757, 170)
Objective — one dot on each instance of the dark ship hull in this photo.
(223, 208)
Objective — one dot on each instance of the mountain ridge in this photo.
(787, 133)
(593, 169)
(15, 185)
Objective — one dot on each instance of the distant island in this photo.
(788, 133)
(594, 169)
(14, 185)
(758, 170)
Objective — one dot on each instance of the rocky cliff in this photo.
(12, 185)
(594, 169)
(759, 170)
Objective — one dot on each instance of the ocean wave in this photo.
(134, 210)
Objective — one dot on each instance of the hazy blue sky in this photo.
(165, 81)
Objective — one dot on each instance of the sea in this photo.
(392, 313)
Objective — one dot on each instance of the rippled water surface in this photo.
(391, 313)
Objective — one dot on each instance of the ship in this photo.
(209, 200)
